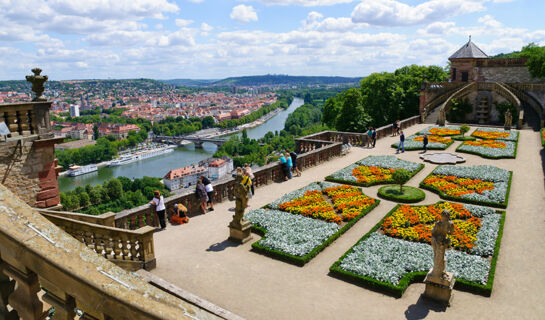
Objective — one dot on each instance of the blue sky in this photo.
(211, 39)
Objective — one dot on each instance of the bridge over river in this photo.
(197, 140)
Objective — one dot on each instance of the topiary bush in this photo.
(400, 177)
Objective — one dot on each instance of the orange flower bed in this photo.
(372, 174)
(432, 138)
(486, 144)
(350, 201)
(444, 132)
(415, 223)
(490, 134)
(312, 204)
(456, 187)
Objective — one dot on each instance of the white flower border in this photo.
(508, 151)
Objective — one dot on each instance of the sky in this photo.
(214, 39)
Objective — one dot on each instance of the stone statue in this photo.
(37, 84)
(508, 120)
(440, 243)
(442, 118)
(240, 229)
(439, 282)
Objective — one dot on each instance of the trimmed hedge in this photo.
(463, 138)
(482, 203)
(412, 277)
(489, 156)
(409, 195)
(300, 261)
(364, 184)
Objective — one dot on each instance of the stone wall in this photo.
(28, 169)
(506, 74)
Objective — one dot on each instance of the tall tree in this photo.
(353, 117)
(331, 112)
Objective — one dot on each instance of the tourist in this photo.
(398, 126)
(180, 214)
(425, 142)
(159, 204)
(289, 164)
(394, 128)
(202, 196)
(374, 137)
(284, 166)
(401, 142)
(248, 172)
(370, 137)
(209, 192)
(293, 157)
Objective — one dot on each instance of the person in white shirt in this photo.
(159, 203)
(209, 191)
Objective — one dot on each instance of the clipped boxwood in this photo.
(463, 138)
(409, 195)
(300, 261)
(472, 201)
(412, 277)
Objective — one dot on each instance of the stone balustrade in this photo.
(39, 263)
(131, 250)
(26, 119)
(106, 219)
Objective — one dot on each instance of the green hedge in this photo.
(542, 134)
(364, 184)
(411, 277)
(464, 138)
(488, 156)
(482, 203)
(409, 195)
(300, 261)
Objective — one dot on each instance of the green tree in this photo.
(208, 122)
(459, 109)
(464, 129)
(401, 176)
(331, 112)
(114, 188)
(96, 133)
(502, 107)
(353, 117)
(84, 199)
(536, 59)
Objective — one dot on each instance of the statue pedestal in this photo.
(240, 232)
(439, 288)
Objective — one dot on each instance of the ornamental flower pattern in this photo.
(441, 131)
(496, 134)
(415, 142)
(490, 148)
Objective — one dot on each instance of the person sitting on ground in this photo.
(209, 192)
(202, 196)
(180, 214)
(293, 157)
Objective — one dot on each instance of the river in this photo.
(181, 157)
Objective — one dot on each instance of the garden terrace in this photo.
(197, 257)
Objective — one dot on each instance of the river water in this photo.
(181, 157)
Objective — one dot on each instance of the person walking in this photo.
(289, 164)
(159, 202)
(250, 174)
(209, 192)
(425, 142)
(370, 137)
(202, 196)
(374, 136)
(284, 165)
(394, 128)
(293, 157)
(401, 142)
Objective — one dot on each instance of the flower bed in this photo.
(389, 263)
(441, 131)
(496, 134)
(415, 142)
(373, 170)
(492, 149)
(486, 185)
(543, 137)
(300, 236)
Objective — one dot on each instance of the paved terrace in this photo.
(198, 258)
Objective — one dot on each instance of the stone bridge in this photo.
(197, 140)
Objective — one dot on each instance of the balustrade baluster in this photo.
(118, 244)
(24, 298)
(6, 289)
(99, 245)
(126, 250)
(22, 122)
(10, 118)
(134, 250)
(64, 304)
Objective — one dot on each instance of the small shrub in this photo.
(401, 176)
(464, 129)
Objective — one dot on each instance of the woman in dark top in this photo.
(201, 195)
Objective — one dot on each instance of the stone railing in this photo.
(131, 250)
(528, 86)
(317, 148)
(106, 219)
(26, 119)
(431, 86)
(41, 263)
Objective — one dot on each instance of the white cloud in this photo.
(305, 3)
(437, 28)
(113, 9)
(205, 29)
(183, 22)
(316, 21)
(243, 14)
(395, 13)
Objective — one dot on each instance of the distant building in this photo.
(120, 131)
(74, 144)
(183, 177)
(219, 168)
(74, 110)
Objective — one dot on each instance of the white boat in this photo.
(79, 170)
(140, 156)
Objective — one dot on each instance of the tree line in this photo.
(117, 194)
(381, 99)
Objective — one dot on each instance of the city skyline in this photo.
(205, 39)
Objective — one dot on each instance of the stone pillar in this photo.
(25, 297)
(48, 195)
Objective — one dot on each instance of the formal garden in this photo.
(396, 251)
